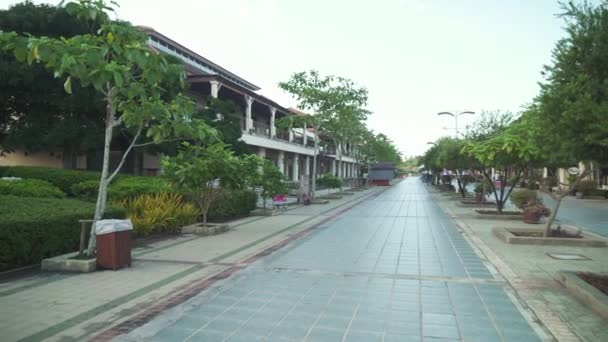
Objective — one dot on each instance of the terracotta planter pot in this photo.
(531, 217)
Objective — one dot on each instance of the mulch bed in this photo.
(598, 281)
(554, 234)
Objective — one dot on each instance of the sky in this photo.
(415, 57)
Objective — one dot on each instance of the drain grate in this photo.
(566, 256)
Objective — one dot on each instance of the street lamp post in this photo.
(456, 115)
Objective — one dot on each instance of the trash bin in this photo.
(113, 243)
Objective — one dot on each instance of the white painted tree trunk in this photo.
(102, 194)
(314, 167)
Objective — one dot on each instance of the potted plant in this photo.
(534, 210)
(521, 197)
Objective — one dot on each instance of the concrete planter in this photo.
(330, 196)
(344, 193)
(493, 215)
(65, 263)
(474, 204)
(319, 201)
(265, 212)
(209, 229)
(507, 235)
(584, 292)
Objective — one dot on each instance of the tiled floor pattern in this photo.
(392, 269)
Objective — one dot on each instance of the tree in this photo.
(569, 115)
(450, 156)
(204, 172)
(324, 96)
(488, 124)
(345, 127)
(510, 151)
(118, 64)
(380, 148)
(35, 112)
(225, 118)
(267, 177)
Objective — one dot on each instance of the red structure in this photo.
(114, 250)
(382, 174)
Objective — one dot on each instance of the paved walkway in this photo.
(394, 268)
(75, 307)
(532, 272)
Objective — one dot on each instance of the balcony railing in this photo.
(261, 128)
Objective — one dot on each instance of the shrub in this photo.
(86, 190)
(29, 188)
(586, 187)
(131, 187)
(478, 188)
(61, 178)
(329, 180)
(522, 197)
(122, 188)
(38, 228)
(599, 193)
(3, 170)
(232, 204)
(159, 213)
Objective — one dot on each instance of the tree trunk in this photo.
(314, 167)
(558, 200)
(340, 167)
(100, 205)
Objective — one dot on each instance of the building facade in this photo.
(291, 151)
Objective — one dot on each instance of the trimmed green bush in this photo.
(30, 188)
(127, 187)
(32, 229)
(61, 178)
(586, 187)
(598, 193)
(86, 190)
(232, 204)
(131, 187)
(329, 180)
(3, 170)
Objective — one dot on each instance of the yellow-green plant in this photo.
(159, 213)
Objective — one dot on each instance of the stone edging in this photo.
(584, 292)
(498, 217)
(506, 235)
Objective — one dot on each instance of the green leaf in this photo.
(118, 79)
(68, 85)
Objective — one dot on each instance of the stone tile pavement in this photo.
(532, 272)
(69, 307)
(394, 268)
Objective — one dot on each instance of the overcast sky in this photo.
(416, 57)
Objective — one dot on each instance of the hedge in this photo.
(236, 203)
(30, 188)
(61, 178)
(127, 187)
(36, 228)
